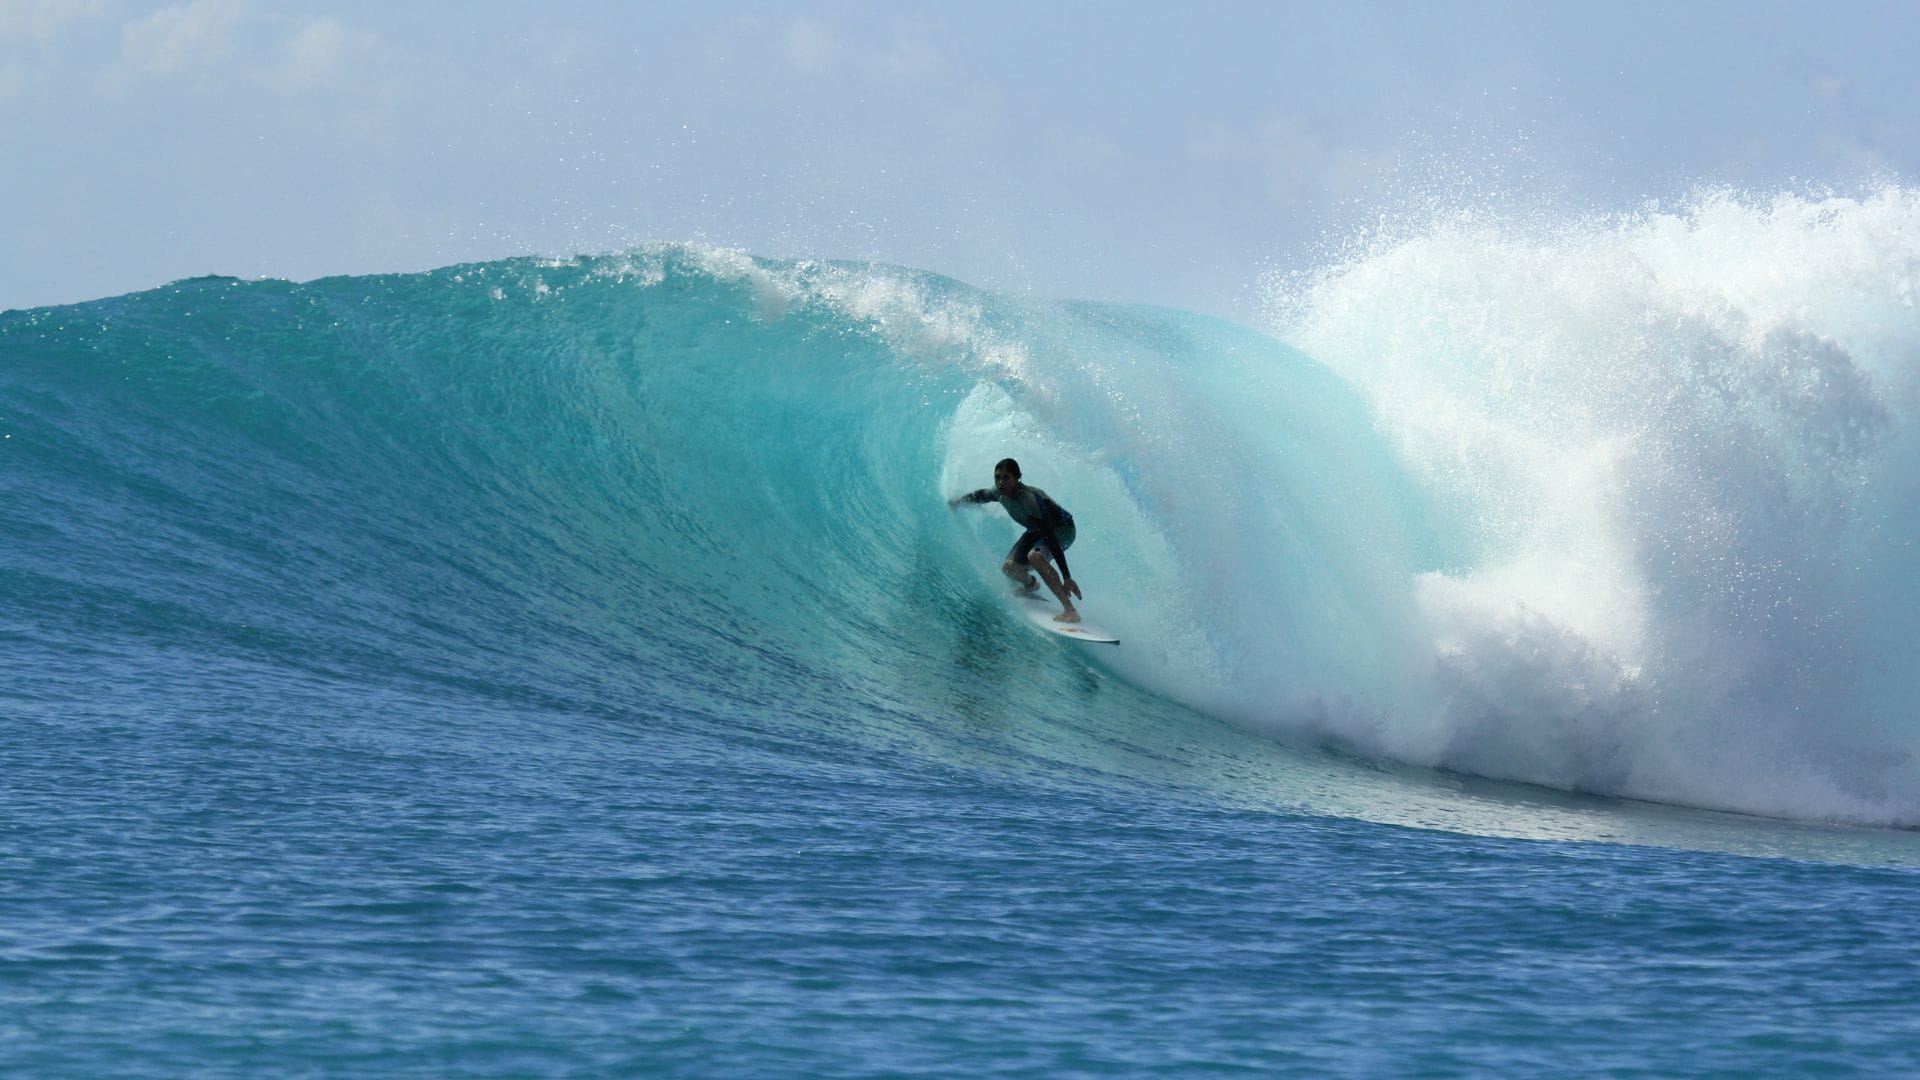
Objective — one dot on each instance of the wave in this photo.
(1619, 534)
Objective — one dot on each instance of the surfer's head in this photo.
(1006, 476)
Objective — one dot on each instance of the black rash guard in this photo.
(1037, 512)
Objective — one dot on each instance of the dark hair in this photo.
(1008, 465)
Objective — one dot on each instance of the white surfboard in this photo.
(1041, 609)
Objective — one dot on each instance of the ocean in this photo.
(573, 667)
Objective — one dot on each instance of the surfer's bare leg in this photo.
(1038, 560)
(1019, 576)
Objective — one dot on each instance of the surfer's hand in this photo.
(1073, 587)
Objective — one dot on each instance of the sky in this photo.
(1157, 153)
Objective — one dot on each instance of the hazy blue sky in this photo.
(1166, 153)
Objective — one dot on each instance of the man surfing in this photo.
(1049, 534)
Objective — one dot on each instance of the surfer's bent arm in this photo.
(1059, 552)
(984, 495)
(1046, 510)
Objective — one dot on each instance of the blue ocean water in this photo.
(573, 668)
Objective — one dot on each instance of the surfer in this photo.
(1049, 534)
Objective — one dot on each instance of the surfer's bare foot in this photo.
(1068, 615)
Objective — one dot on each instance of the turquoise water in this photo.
(572, 667)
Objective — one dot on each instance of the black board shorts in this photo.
(1033, 538)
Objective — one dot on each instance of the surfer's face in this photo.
(1005, 482)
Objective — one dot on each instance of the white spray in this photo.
(1683, 447)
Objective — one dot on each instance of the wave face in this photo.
(678, 481)
(1611, 516)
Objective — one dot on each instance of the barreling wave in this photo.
(707, 486)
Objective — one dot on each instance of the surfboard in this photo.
(1041, 609)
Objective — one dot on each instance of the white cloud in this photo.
(181, 38)
(811, 46)
(40, 20)
(240, 45)
(911, 59)
(320, 53)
